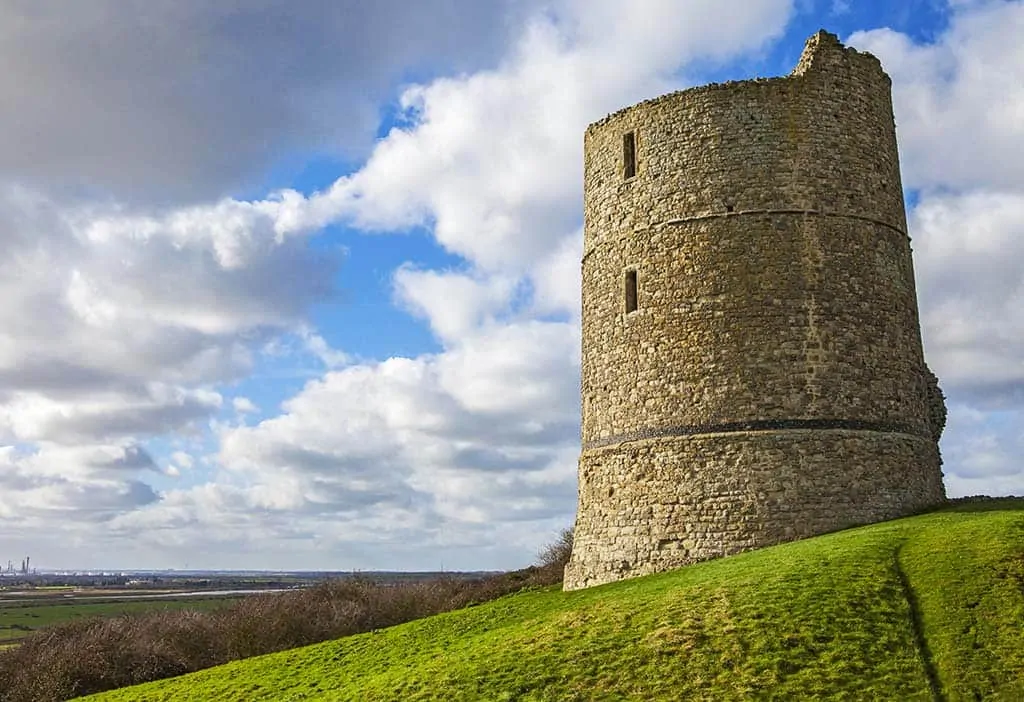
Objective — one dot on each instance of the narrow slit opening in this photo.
(631, 296)
(629, 155)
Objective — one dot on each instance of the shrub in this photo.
(556, 554)
(91, 655)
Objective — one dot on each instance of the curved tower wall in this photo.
(770, 384)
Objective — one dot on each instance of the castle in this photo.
(752, 363)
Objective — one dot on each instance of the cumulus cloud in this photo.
(970, 267)
(180, 461)
(556, 280)
(168, 99)
(470, 440)
(324, 352)
(114, 323)
(88, 483)
(959, 101)
(492, 161)
(982, 451)
(959, 104)
(243, 405)
(152, 297)
(466, 454)
(454, 303)
(163, 409)
(115, 328)
(457, 446)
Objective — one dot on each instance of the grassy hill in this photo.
(925, 608)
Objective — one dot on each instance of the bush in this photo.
(91, 655)
(557, 553)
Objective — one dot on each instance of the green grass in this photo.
(19, 620)
(930, 607)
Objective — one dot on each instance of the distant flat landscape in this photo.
(31, 603)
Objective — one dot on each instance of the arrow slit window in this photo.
(631, 291)
(628, 155)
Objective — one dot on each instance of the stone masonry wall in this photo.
(661, 503)
(771, 383)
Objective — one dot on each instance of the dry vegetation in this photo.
(81, 657)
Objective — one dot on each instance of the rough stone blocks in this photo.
(752, 360)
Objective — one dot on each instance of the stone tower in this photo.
(752, 362)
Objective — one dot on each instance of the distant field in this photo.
(18, 620)
(925, 608)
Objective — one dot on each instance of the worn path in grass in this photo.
(925, 608)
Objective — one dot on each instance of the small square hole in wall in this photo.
(628, 155)
(631, 291)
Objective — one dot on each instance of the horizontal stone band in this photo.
(782, 211)
(776, 211)
(756, 425)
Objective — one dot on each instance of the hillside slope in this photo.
(929, 607)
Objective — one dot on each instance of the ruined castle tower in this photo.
(752, 361)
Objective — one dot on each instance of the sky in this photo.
(296, 285)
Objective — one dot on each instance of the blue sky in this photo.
(298, 286)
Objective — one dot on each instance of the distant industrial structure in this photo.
(26, 567)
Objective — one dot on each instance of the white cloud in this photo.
(167, 99)
(454, 447)
(442, 449)
(556, 279)
(113, 323)
(243, 405)
(114, 329)
(454, 303)
(122, 318)
(61, 487)
(959, 106)
(162, 409)
(982, 451)
(659, 35)
(840, 7)
(183, 460)
(492, 161)
(101, 300)
(529, 368)
(318, 346)
(970, 268)
(959, 101)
